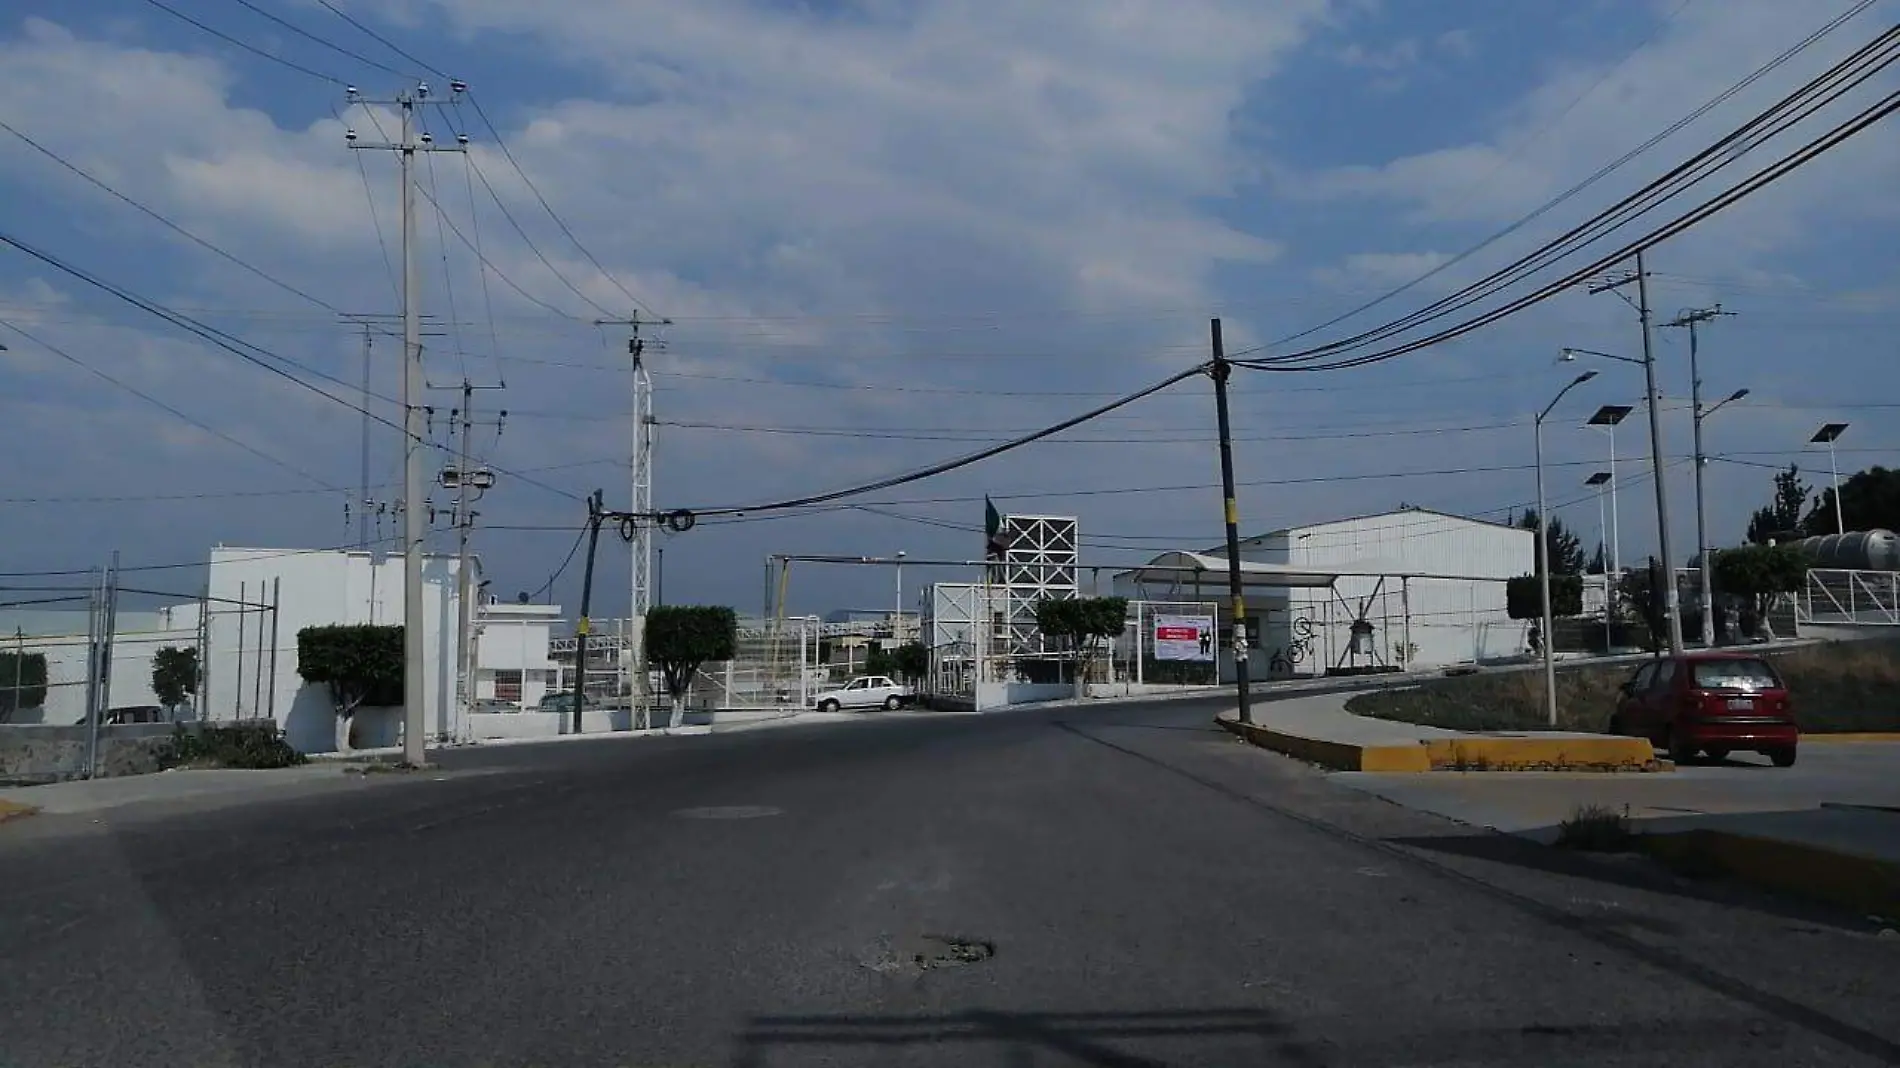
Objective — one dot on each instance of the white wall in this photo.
(514, 637)
(320, 589)
(1453, 620)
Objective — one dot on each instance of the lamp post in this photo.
(1598, 481)
(1606, 419)
(1827, 435)
(897, 620)
(1704, 555)
(1672, 599)
(1543, 547)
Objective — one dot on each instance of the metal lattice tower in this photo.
(1039, 564)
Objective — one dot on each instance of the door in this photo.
(856, 694)
(1659, 700)
(1629, 711)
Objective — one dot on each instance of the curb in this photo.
(1849, 738)
(1607, 754)
(1868, 885)
(14, 810)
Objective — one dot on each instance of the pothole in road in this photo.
(951, 951)
(729, 812)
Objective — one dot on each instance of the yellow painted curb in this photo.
(1476, 753)
(1865, 884)
(1340, 756)
(1865, 736)
(13, 810)
(1606, 753)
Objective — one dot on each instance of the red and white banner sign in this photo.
(1183, 637)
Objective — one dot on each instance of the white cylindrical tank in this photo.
(1857, 550)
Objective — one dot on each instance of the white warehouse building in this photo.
(1426, 589)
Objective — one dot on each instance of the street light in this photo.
(1543, 546)
(1598, 481)
(1827, 435)
(1705, 557)
(897, 620)
(1672, 599)
(1606, 419)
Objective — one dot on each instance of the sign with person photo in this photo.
(1183, 637)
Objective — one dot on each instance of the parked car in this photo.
(866, 691)
(1714, 703)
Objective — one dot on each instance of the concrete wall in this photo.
(40, 753)
(1001, 694)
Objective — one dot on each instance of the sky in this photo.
(864, 236)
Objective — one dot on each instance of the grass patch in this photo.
(1838, 687)
(1596, 829)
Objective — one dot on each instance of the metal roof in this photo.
(1180, 566)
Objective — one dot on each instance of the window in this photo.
(1665, 675)
(1640, 681)
(1748, 675)
(508, 686)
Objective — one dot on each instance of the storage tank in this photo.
(1857, 550)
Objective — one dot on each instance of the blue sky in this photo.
(886, 232)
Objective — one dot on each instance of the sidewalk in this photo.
(1318, 729)
(92, 795)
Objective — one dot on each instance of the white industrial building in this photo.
(1422, 589)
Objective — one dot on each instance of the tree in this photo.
(1083, 625)
(174, 676)
(22, 682)
(912, 661)
(1640, 591)
(1870, 500)
(359, 664)
(1598, 562)
(1524, 597)
(1782, 516)
(880, 661)
(682, 637)
(1763, 574)
(1565, 551)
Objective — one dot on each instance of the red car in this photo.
(1714, 703)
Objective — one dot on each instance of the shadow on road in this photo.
(1104, 1039)
(1630, 871)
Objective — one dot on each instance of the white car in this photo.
(865, 691)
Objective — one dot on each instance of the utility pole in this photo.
(595, 516)
(1672, 598)
(469, 483)
(366, 505)
(1704, 555)
(414, 531)
(1221, 370)
(640, 470)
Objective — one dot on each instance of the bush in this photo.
(236, 745)
(1524, 596)
(1837, 687)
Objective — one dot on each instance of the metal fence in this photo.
(1859, 598)
(775, 666)
(1132, 658)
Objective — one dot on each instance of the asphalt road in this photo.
(1114, 886)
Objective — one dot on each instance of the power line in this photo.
(331, 45)
(245, 45)
(1589, 181)
(1862, 65)
(476, 170)
(1755, 183)
(181, 416)
(379, 38)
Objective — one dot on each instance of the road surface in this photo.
(1110, 885)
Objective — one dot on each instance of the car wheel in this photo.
(828, 706)
(891, 703)
(1783, 757)
(1680, 751)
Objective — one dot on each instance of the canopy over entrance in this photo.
(1178, 570)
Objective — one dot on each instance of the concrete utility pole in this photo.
(1672, 598)
(469, 483)
(414, 528)
(1704, 555)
